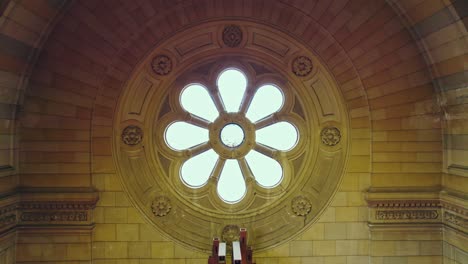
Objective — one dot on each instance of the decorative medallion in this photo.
(302, 66)
(301, 206)
(161, 65)
(232, 36)
(161, 206)
(230, 233)
(330, 136)
(132, 135)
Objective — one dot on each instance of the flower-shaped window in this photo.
(231, 134)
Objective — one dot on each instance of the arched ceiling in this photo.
(64, 62)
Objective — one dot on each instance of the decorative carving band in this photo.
(161, 65)
(454, 208)
(301, 66)
(232, 36)
(72, 216)
(407, 215)
(230, 233)
(330, 136)
(161, 206)
(404, 203)
(301, 206)
(456, 220)
(6, 220)
(52, 205)
(132, 135)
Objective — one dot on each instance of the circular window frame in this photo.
(209, 81)
(144, 168)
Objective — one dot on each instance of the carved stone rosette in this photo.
(132, 135)
(161, 206)
(330, 136)
(161, 65)
(232, 36)
(301, 206)
(302, 66)
(230, 233)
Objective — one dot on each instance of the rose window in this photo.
(232, 134)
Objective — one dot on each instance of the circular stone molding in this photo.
(150, 170)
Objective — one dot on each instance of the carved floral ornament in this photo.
(301, 206)
(161, 65)
(161, 206)
(302, 66)
(132, 135)
(232, 36)
(230, 233)
(330, 136)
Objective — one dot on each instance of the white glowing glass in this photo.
(266, 171)
(196, 171)
(231, 183)
(232, 135)
(232, 84)
(196, 100)
(182, 135)
(267, 100)
(281, 136)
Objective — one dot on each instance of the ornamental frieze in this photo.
(406, 215)
(50, 205)
(457, 220)
(6, 220)
(72, 216)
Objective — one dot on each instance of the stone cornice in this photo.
(47, 208)
(390, 208)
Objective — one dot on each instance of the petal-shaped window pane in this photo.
(281, 136)
(196, 171)
(267, 100)
(231, 183)
(196, 100)
(267, 171)
(182, 135)
(232, 84)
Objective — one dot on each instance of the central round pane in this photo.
(232, 135)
